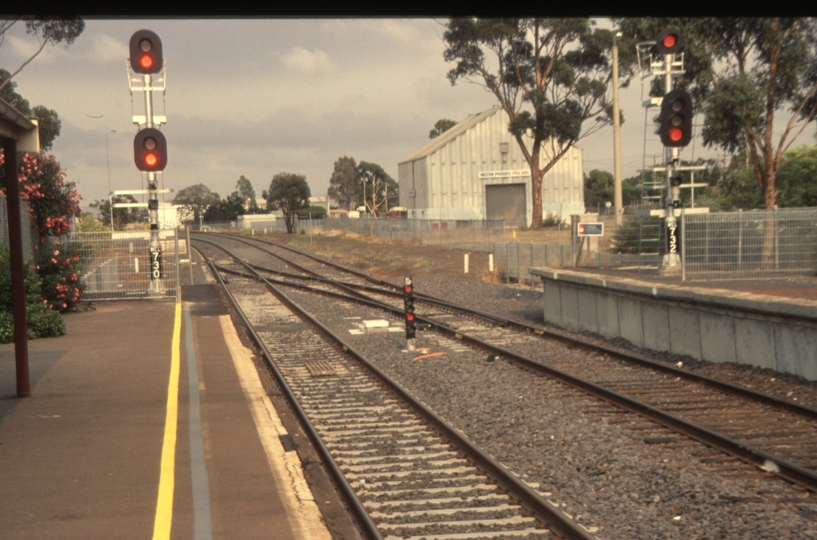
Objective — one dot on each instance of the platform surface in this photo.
(88, 454)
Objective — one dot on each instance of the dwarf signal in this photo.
(408, 303)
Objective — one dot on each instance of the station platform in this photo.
(768, 324)
(149, 420)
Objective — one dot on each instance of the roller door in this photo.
(506, 202)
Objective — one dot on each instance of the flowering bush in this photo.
(59, 268)
(53, 201)
(40, 320)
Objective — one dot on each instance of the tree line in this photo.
(753, 81)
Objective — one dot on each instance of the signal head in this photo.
(676, 119)
(150, 150)
(146, 52)
(669, 41)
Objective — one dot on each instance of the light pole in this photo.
(617, 191)
(110, 191)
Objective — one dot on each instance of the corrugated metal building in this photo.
(476, 171)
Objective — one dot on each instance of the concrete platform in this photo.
(147, 420)
(769, 324)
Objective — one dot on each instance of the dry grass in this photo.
(389, 259)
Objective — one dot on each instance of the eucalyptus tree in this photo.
(549, 75)
(755, 82)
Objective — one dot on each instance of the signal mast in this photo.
(149, 144)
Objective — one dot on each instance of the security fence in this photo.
(29, 234)
(750, 245)
(124, 266)
(736, 245)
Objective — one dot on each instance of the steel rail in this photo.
(359, 513)
(782, 468)
(761, 397)
(554, 518)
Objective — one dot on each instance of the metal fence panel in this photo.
(120, 267)
(750, 245)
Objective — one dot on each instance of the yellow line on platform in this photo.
(164, 503)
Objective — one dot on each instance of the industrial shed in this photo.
(476, 171)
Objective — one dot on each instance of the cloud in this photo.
(305, 61)
(107, 49)
(24, 48)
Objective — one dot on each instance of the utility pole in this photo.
(617, 197)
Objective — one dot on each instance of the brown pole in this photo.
(18, 285)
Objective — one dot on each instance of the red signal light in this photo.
(676, 134)
(146, 61)
(410, 316)
(669, 42)
(151, 159)
(408, 289)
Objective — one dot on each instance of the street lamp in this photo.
(110, 191)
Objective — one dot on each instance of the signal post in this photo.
(149, 145)
(675, 130)
(408, 304)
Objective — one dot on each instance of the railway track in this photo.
(776, 435)
(393, 454)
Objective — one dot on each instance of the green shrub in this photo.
(41, 321)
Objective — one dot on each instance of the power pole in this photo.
(617, 195)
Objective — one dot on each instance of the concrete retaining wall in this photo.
(706, 324)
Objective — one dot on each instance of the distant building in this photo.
(320, 200)
(476, 171)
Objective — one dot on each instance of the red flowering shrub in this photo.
(60, 268)
(52, 199)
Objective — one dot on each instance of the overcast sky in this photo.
(260, 97)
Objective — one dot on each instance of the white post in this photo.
(466, 262)
(491, 262)
(136, 264)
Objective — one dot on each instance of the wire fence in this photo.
(750, 245)
(123, 265)
(735, 245)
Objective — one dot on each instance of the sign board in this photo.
(591, 229)
(504, 174)
(673, 240)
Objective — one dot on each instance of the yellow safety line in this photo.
(164, 503)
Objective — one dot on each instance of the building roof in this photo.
(441, 140)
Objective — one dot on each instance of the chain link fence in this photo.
(124, 266)
(735, 245)
(749, 245)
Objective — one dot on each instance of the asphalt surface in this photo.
(81, 456)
